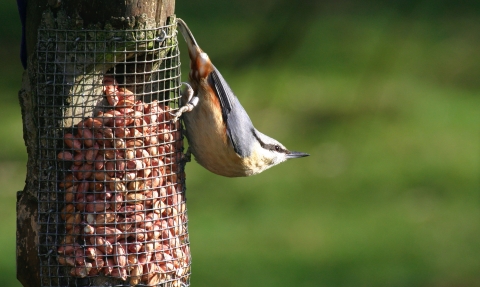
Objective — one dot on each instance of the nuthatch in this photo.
(220, 133)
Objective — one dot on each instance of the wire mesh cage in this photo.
(111, 178)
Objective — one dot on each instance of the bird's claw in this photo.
(191, 102)
(185, 109)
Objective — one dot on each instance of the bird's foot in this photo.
(191, 102)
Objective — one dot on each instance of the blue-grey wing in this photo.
(240, 130)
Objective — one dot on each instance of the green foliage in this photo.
(385, 99)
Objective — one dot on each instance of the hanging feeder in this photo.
(108, 169)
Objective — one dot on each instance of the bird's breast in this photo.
(207, 136)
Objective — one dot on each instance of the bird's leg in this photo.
(191, 102)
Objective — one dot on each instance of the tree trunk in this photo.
(73, 15)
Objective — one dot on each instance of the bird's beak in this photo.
(296, 154)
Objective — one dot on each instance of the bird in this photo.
(219, 131)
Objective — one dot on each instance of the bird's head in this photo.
(270, 152)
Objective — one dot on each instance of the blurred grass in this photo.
(387, 106)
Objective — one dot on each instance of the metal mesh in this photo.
(111, 184)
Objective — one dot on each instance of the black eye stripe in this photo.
(272, 147)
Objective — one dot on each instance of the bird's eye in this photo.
(277, 148)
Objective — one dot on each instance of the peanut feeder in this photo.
(112, 189)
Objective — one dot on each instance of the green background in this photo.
(385, 96)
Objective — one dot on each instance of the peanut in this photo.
(125, 104)
(134, 198)
(117, 185)
(137, 184)
(97, 206)
(83, 172)
(108, 268)
(119, 143)
(144, 258)
(134, 143)
(82, 271)
(70, 194)
(134, 247)
(94, 123)
(108, 232)
(65, 155)
(155, 279)
(130, 154)
(72, 142)
(102, 244)
(135, 165)
(106, 217)
(86, 135)
(80, 256)
(71, 220)
(135, 275)
(130, 175)
(70, 238)
(132, 258)
(97, 266)
(91, 252)
(155, 233)
(125, 224)
(110, 168)
(101, 176)
(78, 158)
(63, 260)
(88, 229)
(160, 207)
(138, 234)
(120, 257)
(119, 272)
(67, 181)
(68, 249)
(91, 154)
(106, 132)
(90, 217)
(149, 270)
(131, 209)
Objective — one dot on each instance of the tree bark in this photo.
(74, 15)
